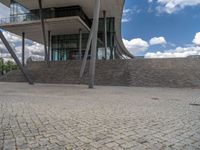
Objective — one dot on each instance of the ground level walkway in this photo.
(74, 117)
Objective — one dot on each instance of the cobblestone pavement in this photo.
(73, 117)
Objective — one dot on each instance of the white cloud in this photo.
(196, 39)
(174, 53)
(157, 41)
(136, 45)
(172, 6)
(127, 15)
(188, 50)
(32, 49)
(11, 37)
(150, 1)
(4, 11)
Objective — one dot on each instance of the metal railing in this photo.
(20, 18)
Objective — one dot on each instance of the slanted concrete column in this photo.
(43, 30)
(2, 63)
(14, 56)
(94, 43)
(91, 36)
(80, 44)
(23, 49)
(49, 45)
(105, 34)
(112, 49)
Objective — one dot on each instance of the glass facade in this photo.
(110, 39)
(63, 12)
(17, 9)
(66, 47)
(17, 12)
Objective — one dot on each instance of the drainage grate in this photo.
(193, 104)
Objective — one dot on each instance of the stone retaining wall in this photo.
(183, 72)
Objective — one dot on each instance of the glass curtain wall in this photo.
(17, 12)
(66, 47)
(110, 39)
(63, 12)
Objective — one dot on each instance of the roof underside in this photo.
(57, 26)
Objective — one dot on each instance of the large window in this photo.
(65, 47)
(17, 9)
(63, 12)
(110, 39)
(17, 12)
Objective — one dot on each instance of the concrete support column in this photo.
(23, 49)
(49, 45)
(80, 44)
(112, 56)
(2, 68)
(43, 30)
(105, 34)
(91, 36)
(94, 43)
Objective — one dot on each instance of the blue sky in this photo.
(177, 21)
(150, 28)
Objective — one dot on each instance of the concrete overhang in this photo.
(57, 26)
(113, 8)
(5, 2)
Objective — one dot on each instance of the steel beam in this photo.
(80, 44)
(105, 34)
(23, 49)
(43, 29)
(94, 44)
(14, 56)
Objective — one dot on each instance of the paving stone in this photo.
(112, 144)
(128, 145)
(73, 117)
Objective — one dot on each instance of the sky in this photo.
(150, 28)
(162, 28)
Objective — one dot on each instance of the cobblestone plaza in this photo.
(74, 117)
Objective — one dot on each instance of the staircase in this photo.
(13, 76)
(136, 72)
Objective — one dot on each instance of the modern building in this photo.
(67, 28)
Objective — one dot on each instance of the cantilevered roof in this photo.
(113, 8)
(57, 26)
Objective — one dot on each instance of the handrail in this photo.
(20, 18)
